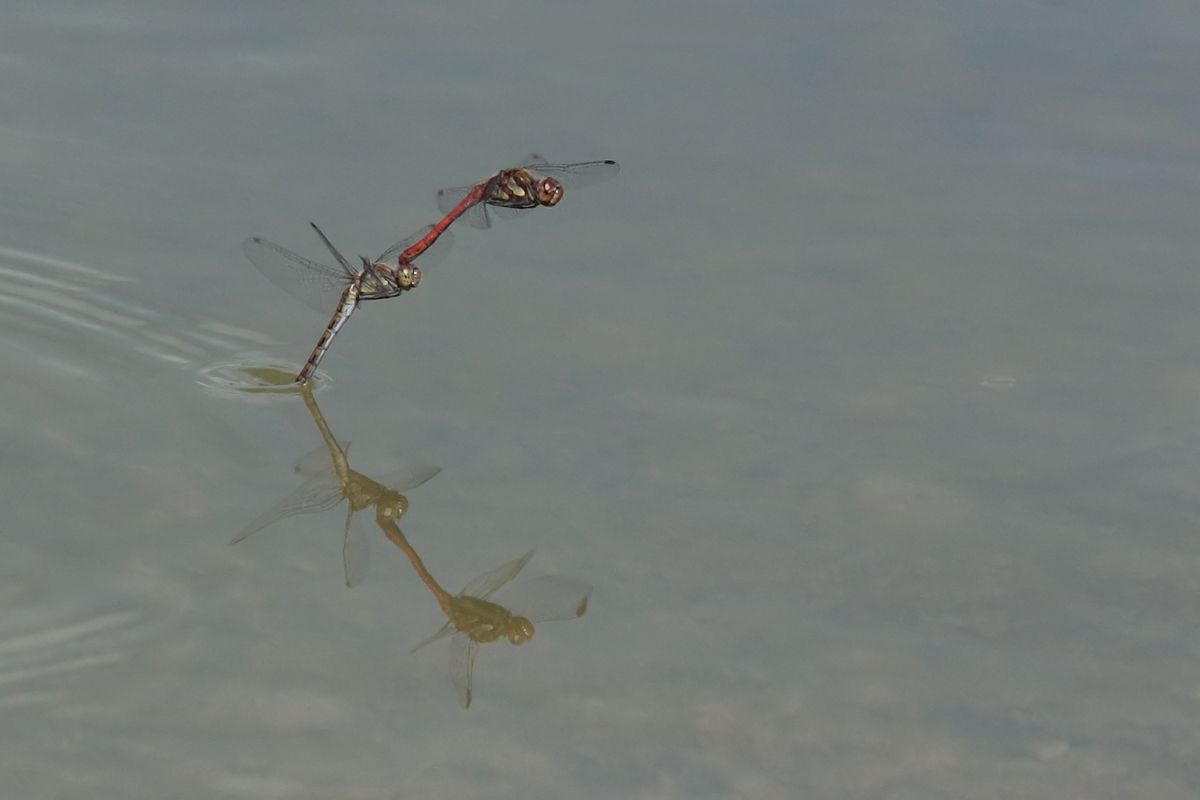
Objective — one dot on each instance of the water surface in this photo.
(865, 398)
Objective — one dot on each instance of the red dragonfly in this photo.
(513, 191)
(475, 620)
(316, 284)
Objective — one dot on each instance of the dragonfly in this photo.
(513, 191)
(316, 284)
(475, 620)
(330, 480)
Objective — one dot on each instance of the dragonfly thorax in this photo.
(518, 188)
(381, 280)
(512, 189)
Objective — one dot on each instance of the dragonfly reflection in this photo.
(475, 620)
(331, 480)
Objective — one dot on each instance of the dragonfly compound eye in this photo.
(520, 630)
(549, 191)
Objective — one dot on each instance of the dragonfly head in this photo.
(520, 630)
(409, 276)
(549, 191)
(392, 506)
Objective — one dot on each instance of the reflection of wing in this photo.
(409, 477)
(462, 660)
(318, 493)
(483, 586)
(318, 461)
(355, 551)
(442, 633)
(551, 597)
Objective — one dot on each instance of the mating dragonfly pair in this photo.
(472, 617)
(508, 192)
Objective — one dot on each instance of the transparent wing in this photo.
(503, 212)
(462, 663)
(442, 633)
(428, 258)
(477, 216)
(450, 197)
(316, 285)
(551, 597)
(318, 493)
(409, 477)
(573, 176)
(336, 255)
(318, 462)
(355, 550)
(483, 586)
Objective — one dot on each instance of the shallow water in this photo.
(865, 398)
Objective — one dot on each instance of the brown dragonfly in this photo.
(518, 189)
(475, 620)
(330, 480)
(317, 285)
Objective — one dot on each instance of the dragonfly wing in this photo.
(442, 633)
(317, 462)
(504, 212)
(462, 662)
(409, 477)
(550, 597)
(316, 285)
(355, 550)
(427, 258)
(476, 216)
(483, 586)
(316, 494)
(573, 176)
(346, 268)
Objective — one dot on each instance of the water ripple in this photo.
(46, 301)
